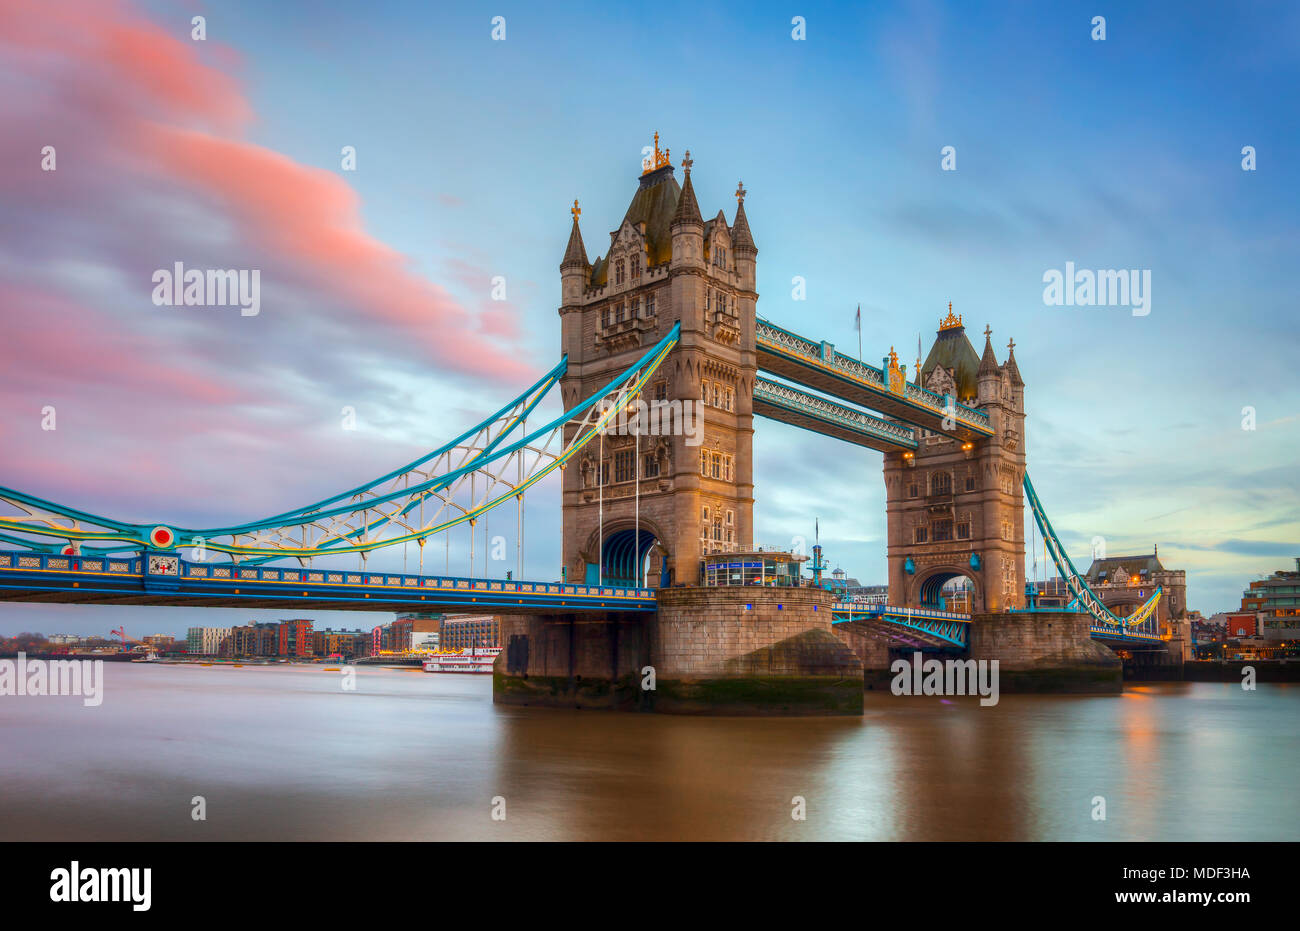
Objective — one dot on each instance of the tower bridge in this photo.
(669, 314)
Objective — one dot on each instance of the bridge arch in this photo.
(623, 559)
(927, 587)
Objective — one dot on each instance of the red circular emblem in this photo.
(161, 537)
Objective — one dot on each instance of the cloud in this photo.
(199, 410)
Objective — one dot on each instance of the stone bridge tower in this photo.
(665, 264)
(957, 509)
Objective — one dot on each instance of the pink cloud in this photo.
(195, 408)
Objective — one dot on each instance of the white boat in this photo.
(477, 660)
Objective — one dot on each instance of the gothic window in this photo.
(717, 395)
(717, 465)
(604, 472)
(942, 531)
(619, 310)
(726, 467)
(651, 467)
(921, 534)
(720, 256)
(708, 298)
(722, 303)
(618, 272)
(730, 400)
(963, 530)
(717, 529)
(704, 392)
(970, 483)
(913, 490)
(661, 391)
(731, 518)
(704, 463)
(624, 463)
(1006, 530)
(636, 266)
(604, 317)
(941, 483)
(650, 304)
(634, 308)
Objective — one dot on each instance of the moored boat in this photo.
(474, 660)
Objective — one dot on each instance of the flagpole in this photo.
(859, 326)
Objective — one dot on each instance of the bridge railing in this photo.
(179, 568)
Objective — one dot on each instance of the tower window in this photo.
(722, 303)
(963, 530)
(651, 467)
(624, 463)
(636, 266)
(970, 483)
(921, 534)
(618, 272)
(913, 490)
(941, 483)
(942, 531)
(650, 304)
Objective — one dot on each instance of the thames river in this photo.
(287, 753)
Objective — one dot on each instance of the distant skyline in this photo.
(376, 283)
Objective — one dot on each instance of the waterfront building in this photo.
(460, 632)
(330, 642)
(416, 631)
(295, 637)
(255, 639)
(206, 641)
(1276, 599)
(1124, 583)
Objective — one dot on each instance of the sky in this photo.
(226, 152)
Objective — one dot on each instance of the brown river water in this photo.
(286, 753)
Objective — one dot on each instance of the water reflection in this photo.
(285, 752)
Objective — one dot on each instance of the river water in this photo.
(285, 752)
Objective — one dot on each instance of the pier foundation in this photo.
(1045, 651)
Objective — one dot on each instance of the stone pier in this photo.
(1045, 651)
(744, 650)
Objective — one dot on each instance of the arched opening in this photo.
(947, 590)
(625, 558)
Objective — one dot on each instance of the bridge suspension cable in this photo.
(1076, 583)
(491, 463)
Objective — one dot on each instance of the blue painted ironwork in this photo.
(368, 517)
(1074, 580)
(161, 577)
(947, 626)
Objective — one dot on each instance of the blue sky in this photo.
(1123, 153)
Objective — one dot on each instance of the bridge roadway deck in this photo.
(165, 579)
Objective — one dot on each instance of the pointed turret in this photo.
(1012, 369)
(688, 208)
(988, 362)
(576, 253)
(742, 240)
